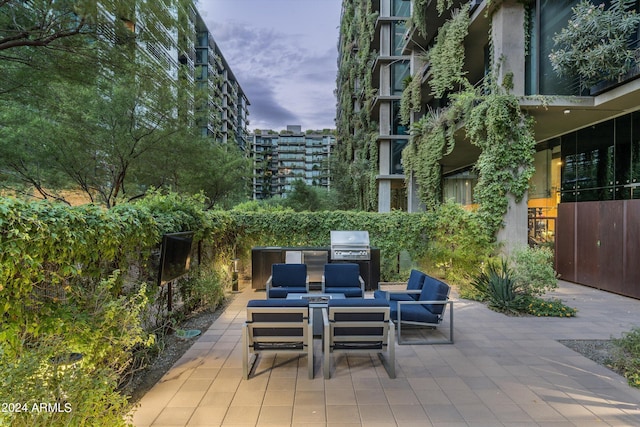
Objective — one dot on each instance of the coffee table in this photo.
(317, 301)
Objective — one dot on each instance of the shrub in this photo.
(203, 288)
(92, 322)
(627, 356)
(55, 394)
(533, 270)
(459, 242)
(501, 292)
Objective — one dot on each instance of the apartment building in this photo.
(223, 107)
(583, 197)
(282, 158)
(189, 52)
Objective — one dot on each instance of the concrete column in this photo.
(413, 201)
(384, 195)
(385, 40)
(514, 233)
(508, 35)
(384, 157)
(385, 80)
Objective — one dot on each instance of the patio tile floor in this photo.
(501, 371)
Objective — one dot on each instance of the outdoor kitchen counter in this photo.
(262, 257)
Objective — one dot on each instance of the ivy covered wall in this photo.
(356, 159)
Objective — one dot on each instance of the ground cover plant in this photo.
(627, 356)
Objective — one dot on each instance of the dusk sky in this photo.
(284, 55)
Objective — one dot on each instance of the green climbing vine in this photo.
(411, 98)
(504, 134)
(418, 16)
(493, 121)
(356, 155)
(447, 55)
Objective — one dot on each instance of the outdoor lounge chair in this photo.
(411, 293)
(287, 278)
(428, 310)
(276, 326)
(360, 326)
(343, 278)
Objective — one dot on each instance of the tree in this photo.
(55, 24)
(304, 197)
(220, 171)
(109, 121)
(595, 43)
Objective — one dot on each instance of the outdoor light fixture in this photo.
(567, 111)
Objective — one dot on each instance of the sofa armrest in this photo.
(401, 292)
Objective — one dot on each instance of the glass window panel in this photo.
(396, 156)
(593, 195)
(623, 150)
(554, 15)
(397, 42)
(399, 72)
(539, 186)
(594, 166)
(569, 160)
(401, 7)
(397, 128)
(460, 187)
(635, 150)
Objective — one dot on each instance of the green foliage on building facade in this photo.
(355, 163)
(594, 45)
(491, 119)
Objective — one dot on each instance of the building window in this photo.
(397, 146)
(401, 8)
(540, 77)
(399, 72)
(602, 162)
(397, 41)
(397, 128)
(459, 187)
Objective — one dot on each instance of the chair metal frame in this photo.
(300, 342)
(399, 322)
(341, 343)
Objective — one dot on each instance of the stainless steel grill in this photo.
(350, 246)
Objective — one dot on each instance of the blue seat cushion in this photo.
(394, 297)
(413, 313)
(341, 275)
(282, 292)
(288, 275)
(278, 303)
(434, 290)
(416, 280)
(349, 292)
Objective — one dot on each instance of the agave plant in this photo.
(500, 290)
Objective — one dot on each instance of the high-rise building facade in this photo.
(282, 158)
(584, 196)
(222, 105)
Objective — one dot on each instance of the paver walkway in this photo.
(501, 371)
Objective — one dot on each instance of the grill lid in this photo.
(350, 238)
(350, 245)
